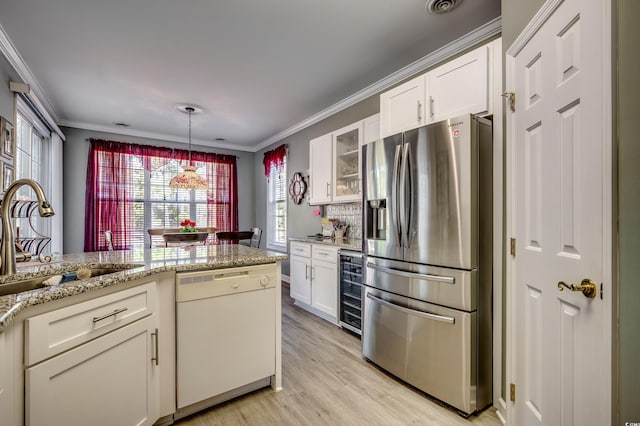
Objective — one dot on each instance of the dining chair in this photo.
(108, 236)
(233, 237)
(255, 238)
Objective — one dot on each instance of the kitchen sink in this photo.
(14, 287)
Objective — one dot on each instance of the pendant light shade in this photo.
(188, 179)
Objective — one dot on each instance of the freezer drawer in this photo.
(430, 347)
(454, 288)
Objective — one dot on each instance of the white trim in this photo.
(152, 135)
(480, 34)
(510, 262)
(37, 94)
(285, 278)
(609, 228)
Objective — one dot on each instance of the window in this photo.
(32, 162)
(277, 202)
(129, 193)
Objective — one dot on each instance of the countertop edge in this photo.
(346, 243)
(13, 304)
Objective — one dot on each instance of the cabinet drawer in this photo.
(300, 249)
(325, 253)
(54, 332)
(220, 282)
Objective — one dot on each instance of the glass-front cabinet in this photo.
(347, 183)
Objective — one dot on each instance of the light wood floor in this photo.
(327, 382)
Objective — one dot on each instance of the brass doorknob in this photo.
(587, 287)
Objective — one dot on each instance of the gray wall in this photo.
(300, 220)
(628, 111)
(516, 14)
(76, 150)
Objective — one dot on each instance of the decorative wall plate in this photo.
(297, 188)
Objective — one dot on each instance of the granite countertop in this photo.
(142, 262)
(345, 243)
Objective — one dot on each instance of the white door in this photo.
(560, 215)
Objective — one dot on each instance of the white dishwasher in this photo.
(226, 334)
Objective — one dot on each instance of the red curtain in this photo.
(274, 157)
(113, 195)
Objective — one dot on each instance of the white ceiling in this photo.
(256, 68)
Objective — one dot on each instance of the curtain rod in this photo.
(89, 140)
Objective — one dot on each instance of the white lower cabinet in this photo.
(6, 379)
(313, 278)
(110, 377)
(324, 287)
(300, 280)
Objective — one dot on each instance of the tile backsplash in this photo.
(349, 213)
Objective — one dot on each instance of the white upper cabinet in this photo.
(346, 163)
(335, 164)
(320, 162)
(460, 86)
(402, 107)
(371, 129)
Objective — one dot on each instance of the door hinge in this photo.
(512, 100)
(512, 392)
(513, 247)
(601, 292)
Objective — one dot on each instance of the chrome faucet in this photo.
(8, 248)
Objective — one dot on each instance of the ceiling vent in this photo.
(439, 7)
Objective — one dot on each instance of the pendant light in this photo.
(188, 179)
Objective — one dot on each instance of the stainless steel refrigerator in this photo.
(428, 255)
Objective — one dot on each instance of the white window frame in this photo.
(277, 179)
(49, 178)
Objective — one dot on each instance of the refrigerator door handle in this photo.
(395, 190)
(406, 200)
(427, 315)
(408, 274)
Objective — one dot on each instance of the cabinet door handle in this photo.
(157, 353)
(328, 188)
(112, 314)
(431, 106)
(306, 272)
(312, 268)
(419, 112)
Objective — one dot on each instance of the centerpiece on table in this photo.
(188, 225)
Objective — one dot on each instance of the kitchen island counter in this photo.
(141, 262)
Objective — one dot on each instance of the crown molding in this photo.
(152, 135)
(37, 95)
(478, 35)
